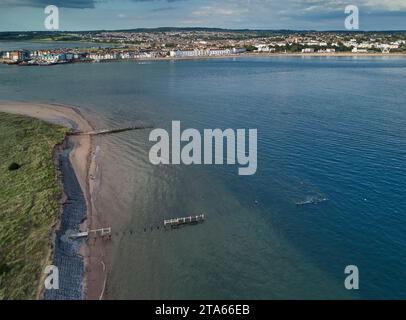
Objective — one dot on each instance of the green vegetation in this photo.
(29, 194)
(295, 47)
(250, 48)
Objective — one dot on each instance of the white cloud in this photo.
(337, 5)
(223, 9)
(284, 13)
(213, 10)
(389, 5)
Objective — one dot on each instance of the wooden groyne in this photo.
(176, 222)
(109, 131)
(102, 232)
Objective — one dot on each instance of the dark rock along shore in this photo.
(65, 253)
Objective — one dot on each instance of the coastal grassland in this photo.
(29, 201)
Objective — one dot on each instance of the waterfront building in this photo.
(16, 56)
(263, 48)
(356, 50)
(328, 50)
(238, 50)
(189, 53)
(308, 50)
(220, 52)
(5, 55)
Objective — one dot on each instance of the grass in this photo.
(29, 202)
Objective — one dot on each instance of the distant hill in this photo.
(75, 35)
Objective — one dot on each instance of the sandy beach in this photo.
(82, 158)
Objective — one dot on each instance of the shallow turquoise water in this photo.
(328, 127)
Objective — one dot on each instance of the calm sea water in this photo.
(331, 128)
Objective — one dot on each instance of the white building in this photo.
(356, 50)
(204, 52)
(328, 50)
(188, 53)
(220, 52)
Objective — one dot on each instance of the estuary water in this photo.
(331, 137)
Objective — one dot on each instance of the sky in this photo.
(76, 15)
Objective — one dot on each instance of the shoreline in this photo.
(227, 56)
(251, 55)
(281, 54)
(79, 156)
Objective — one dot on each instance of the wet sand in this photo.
(83, 160)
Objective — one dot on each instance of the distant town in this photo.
(172, 43)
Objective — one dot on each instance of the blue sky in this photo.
(255, 14)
